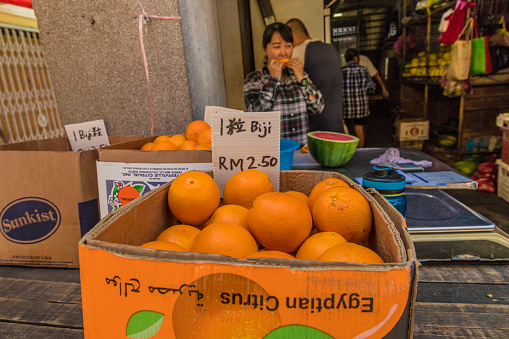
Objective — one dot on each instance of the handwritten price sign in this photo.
(87, 135)
(245, 141)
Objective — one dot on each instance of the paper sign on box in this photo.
(113, 177)
(243, 141)
(87, 136)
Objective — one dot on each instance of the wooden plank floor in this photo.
(454, 300)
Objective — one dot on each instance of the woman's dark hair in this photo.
(276, 27)
(350, 54)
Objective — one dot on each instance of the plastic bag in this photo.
(456, 22)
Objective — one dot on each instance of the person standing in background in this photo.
(366, 62)
(283, 85)
(323, 66)
(357, 85)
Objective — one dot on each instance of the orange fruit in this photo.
(182, 235)
(164, 146)
(305, 148)
(147, 147)
(187, 145)
(226, 310)
(177, 139)
(127, 194)
(344, 211)
(243, 187)
(205, 137)
(203, 147)
(271, 254)
(321, 187)
(161, 138)
(226, 239)
(192, 197)
(194, 129)
(315, 245)
(279, 221)
(350, 252)
(299, 195)
(163, 245)
(233, 214)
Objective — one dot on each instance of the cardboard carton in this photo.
(412, 129)
(49, 201)
(124, 166)
(139, 292)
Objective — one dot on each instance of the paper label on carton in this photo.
(119, 183)
(243, 141)
(88, 135)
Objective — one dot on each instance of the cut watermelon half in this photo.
(331, 149)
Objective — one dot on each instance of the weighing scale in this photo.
(442, 228)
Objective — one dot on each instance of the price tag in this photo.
(87, 135)
(243, 141)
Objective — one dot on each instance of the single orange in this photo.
(321, 187)
(127, 194)
(164, 146)
(187, 145)
(229, 307)
(344, 211)
(147, 147)
(243, 187)
(194, 129)
(233, 214)
(163, 245)
(177, 139)
(279, 221)
(192, 197)
(161, 138)
(203, 147)
(350, 252)
(284, 60)
(305, 148)
(315, 245)
(271, 254)
(299, 195)
(226, 239)
(182, 235)
(205, 137)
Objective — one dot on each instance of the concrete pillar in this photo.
(202, 48)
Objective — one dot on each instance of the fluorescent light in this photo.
(337, 15)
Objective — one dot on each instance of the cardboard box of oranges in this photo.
(140, 292)
(49, 201)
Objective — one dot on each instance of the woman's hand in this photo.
(275, 68)
(297, 67)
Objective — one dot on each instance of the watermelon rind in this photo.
(332, 153)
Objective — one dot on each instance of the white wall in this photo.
(310, 12)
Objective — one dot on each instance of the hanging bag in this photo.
(456, 22)
(461, 54)
(480, 62)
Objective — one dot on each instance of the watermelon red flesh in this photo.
(332, 149)
(333, 136)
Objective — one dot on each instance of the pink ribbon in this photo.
(143, 17)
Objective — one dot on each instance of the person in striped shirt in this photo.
(282, 85)
(357, 84)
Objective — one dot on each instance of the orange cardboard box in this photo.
(49, 201)
(135, 292)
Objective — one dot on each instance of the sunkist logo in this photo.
(29, 220)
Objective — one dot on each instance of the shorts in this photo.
(357, 121)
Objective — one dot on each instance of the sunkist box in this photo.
(125, 172)
(137, 292)
(49, 201)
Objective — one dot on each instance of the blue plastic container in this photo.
(286, 148)
(390, 184)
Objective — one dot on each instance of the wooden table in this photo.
(454, 300)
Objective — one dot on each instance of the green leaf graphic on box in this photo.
(144, 324)
(297, 331)
(139, 188)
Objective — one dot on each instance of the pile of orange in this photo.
(255, 222)
(197, 137)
